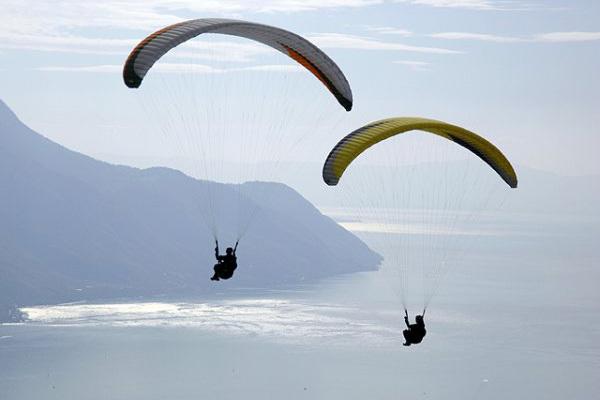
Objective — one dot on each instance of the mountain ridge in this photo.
(76, 228)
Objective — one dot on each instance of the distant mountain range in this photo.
(539, 192)
(74, 228)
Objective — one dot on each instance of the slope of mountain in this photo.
(75, 228)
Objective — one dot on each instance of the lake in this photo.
(517, 318)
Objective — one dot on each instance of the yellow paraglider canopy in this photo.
(361, 139)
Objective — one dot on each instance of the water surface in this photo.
(518, 319)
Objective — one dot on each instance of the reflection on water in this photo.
(411, 229)
(274, 318)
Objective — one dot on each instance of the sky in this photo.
(521, 73)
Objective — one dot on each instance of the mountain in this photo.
(75, 228)
(539, 192)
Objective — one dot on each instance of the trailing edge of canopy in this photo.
(351, 146)
(151, 49)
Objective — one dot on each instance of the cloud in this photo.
(53, 17)
(56, 16)
(472, 4)
(66, 25)
(567, 37)
(414, 65)
(198, 49)
(174, 68)
(484, 37)
(210, 49)
(67, 43)
(305, 5)
(344, 41)
(552, 37)
(387, 30)
(468, 4)
(269, 68)
(91, 68)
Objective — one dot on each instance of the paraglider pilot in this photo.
(415, 332)
(226, 264)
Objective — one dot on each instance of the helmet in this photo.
(229, 250)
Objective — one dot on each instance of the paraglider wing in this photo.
(151, 49)
(361, 139)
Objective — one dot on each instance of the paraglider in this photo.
(361, 139)
(226, 264)
(414, 333)
(421, 218)
(199, 115)
(148, 51)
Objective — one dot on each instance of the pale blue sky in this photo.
(522, 73)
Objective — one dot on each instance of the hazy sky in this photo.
(522, 73)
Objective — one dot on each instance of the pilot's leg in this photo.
(406, 334)
(215, 277)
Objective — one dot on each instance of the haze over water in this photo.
(517, 320)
